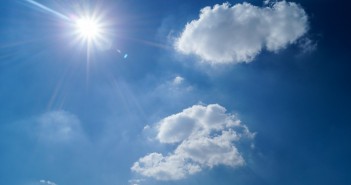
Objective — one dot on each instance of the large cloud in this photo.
(205, 137)
(234, 34)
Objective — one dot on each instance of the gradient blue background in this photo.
(299, 105)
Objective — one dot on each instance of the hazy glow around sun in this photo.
(88, 28)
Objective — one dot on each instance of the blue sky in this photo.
(177, 92)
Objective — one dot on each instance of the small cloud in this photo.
(174, 87)
(146, 127)
(178, 80)
(204, 137)
(235, 34)
(135, 181)
(47, 182)
(179, 84)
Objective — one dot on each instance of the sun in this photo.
(88, 28)
(91, 31)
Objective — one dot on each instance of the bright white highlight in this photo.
(88, 28)
(91, 31)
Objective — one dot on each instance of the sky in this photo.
(175, 92)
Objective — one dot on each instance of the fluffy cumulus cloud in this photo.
(204, 136)
(58, 126)
(234, 34)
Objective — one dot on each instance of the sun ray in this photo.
(43, 7)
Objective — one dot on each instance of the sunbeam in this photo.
(43, 7)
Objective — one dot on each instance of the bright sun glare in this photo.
(88, 28)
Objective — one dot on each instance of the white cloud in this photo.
(234, 34)
(58, 126)
(178, 80)
(205, 137)
(212, 151)
(266, 2)
(135, 181)
(161, 167)
(47, 182)
(174, 88)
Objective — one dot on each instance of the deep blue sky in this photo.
(298, 104)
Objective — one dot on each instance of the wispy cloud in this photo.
(174, 87)
(234, 34)
(135, 181)
(58, 126)
(47, 182)
(307, 45)
(205, 137)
